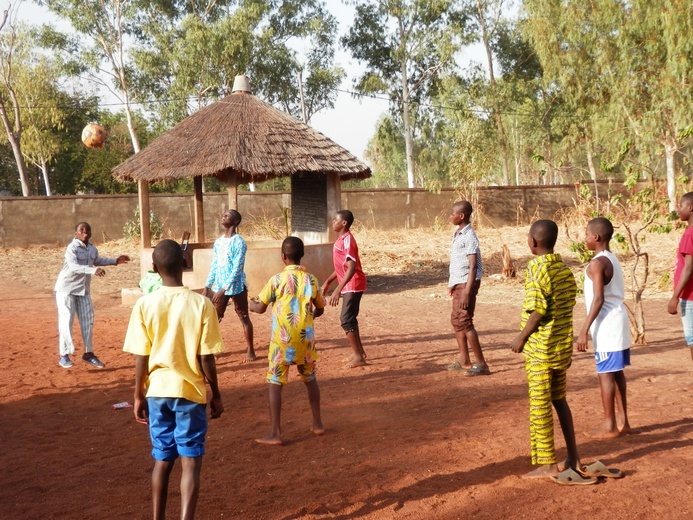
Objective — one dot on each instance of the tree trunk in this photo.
(593, 172)
(14, 140)
(670, 149)
(46, 181)
(408, 138)
(495, 110)
(638, 332)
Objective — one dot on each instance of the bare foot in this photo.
(356, 363)
(550, 470)
(270, 440)
(626, 430)
(603, 434)
(318, 430)
(249, 358)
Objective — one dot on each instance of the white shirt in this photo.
(611, 329)
(81, 261)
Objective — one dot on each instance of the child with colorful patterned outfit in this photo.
(73, 296)
(607, 321)
(546, 340)
(351, 284)
(683, 275)
(174, 333)
(463, 287)
(227, 280)
(297, 300)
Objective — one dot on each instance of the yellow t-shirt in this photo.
(173, 326)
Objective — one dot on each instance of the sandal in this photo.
(570, 477)
(478, 370)
(598, 469)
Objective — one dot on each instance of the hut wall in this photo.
(26, 221)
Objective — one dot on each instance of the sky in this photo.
(351, 123)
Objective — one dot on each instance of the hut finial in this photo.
(241, 85)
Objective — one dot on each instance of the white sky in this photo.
(350, 124)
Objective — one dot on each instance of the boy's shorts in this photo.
(177, 427)
(612, 361)
(351, 303)
(240, 304)
(278, 373)
(462, 320)
(687, 320)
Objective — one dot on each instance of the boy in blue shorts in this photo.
(683, 275)
(174, 333)
(297, 299)
(607, 321)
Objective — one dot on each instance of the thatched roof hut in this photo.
(239, 139)
(246, 136)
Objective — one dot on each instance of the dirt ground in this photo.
(405, 438)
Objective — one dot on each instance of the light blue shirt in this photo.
(228, 261)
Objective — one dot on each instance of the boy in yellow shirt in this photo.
(174, 333)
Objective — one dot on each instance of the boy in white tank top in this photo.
(607, 322)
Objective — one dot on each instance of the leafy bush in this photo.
(133, 228)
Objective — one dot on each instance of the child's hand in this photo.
(673, 306)
(216, 407)
(334, 299)
(582, 341)
(122, 259)
(141, 410)
(100, 272)
(518, 345)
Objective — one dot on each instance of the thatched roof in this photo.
(240, 134)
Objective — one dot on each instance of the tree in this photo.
(404, 44)
(107, 24)
(188, 55)
(486, 18)
(43, 115)
(624, 68)
(11, 51)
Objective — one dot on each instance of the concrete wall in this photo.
(28, 221)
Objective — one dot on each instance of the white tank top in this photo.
(611, 329)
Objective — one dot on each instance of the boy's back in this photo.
(293, 292)
(550, 289)
(173, 326)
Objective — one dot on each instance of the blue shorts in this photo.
(687, 320)
(176, 427)
(612, 361)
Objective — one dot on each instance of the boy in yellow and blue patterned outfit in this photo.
(297, 299)
(546, 340)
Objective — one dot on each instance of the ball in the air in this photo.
(94, 135)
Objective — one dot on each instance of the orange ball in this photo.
(94, 135)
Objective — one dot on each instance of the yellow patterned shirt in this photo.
(550, 290)
(293, 292)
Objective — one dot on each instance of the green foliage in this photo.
(133, 228)
(584, 255)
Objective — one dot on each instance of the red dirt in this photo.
(405, 438)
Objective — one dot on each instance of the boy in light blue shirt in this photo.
(227, 281)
